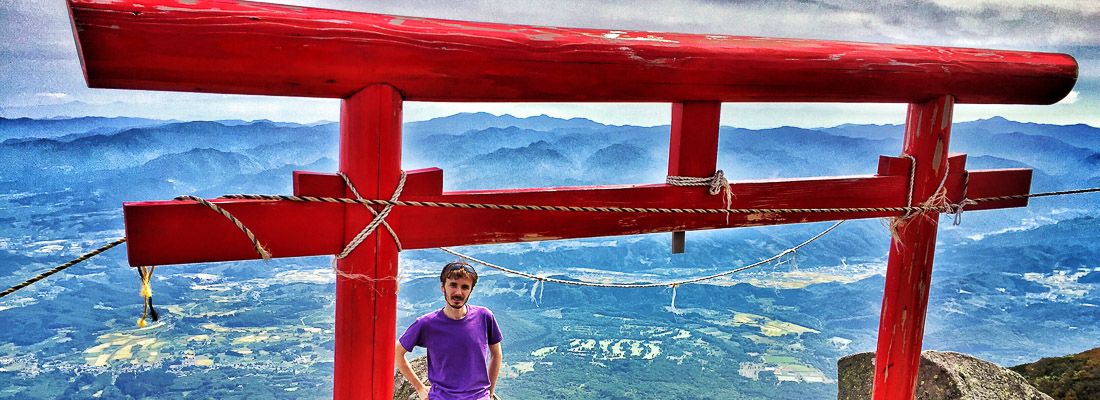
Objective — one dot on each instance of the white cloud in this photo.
(1083, 6)
(53, 95)
(1070, 98)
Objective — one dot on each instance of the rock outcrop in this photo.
(942, 376)
(402, 389)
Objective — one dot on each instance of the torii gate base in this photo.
(375, 62)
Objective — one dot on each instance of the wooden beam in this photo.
(165, 232)
(909, 269)
(229, 46)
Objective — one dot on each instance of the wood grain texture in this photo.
(222, 46)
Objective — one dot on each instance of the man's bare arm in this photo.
(406, 369)
(494, 366)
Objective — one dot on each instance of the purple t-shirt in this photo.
(457, 352)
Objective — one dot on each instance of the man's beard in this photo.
(459, 307)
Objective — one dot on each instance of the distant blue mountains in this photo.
(1010, 286)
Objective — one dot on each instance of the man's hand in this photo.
(402, 365)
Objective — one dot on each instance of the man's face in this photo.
(456, 292)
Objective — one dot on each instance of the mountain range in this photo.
(1009, 286)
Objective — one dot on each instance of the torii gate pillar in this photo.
(909, 269)
(366, 309)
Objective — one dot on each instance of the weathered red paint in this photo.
(909, 269)
(370, 154)
(254, 48)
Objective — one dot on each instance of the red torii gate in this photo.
(375, 62)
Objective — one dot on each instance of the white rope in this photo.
(379, 217)
(644, 285)
(938, 198)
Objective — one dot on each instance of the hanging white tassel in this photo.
(534, 289)
(542, 290)
(674, 296)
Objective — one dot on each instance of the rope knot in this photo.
(716, 184)
(379, 217)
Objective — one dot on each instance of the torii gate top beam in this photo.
(251, 48)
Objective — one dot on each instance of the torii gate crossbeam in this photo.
(376, 62)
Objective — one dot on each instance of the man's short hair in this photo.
(458, 270)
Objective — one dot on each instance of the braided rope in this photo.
(379, 217)
(912, 181)
(958, 211)
(716, 183)
(673, 284)
(656, 210)
(955, 209)
(248, 232)
(61, 267)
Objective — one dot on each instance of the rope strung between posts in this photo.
(540, 281)
(62, 267)
(645, 285)
(950, 208)
(526, 207)
(717, 183)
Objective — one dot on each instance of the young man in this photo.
(457, 338)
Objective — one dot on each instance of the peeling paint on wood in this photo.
(169, 45)
(909, 268)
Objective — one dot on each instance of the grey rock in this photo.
(402, 389)
(942, 376)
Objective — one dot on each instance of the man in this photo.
(457, 338)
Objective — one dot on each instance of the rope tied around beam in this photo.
(379, 217)
(716, 183)
(936, 202)
(957, 209)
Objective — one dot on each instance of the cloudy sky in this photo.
(40, 73)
